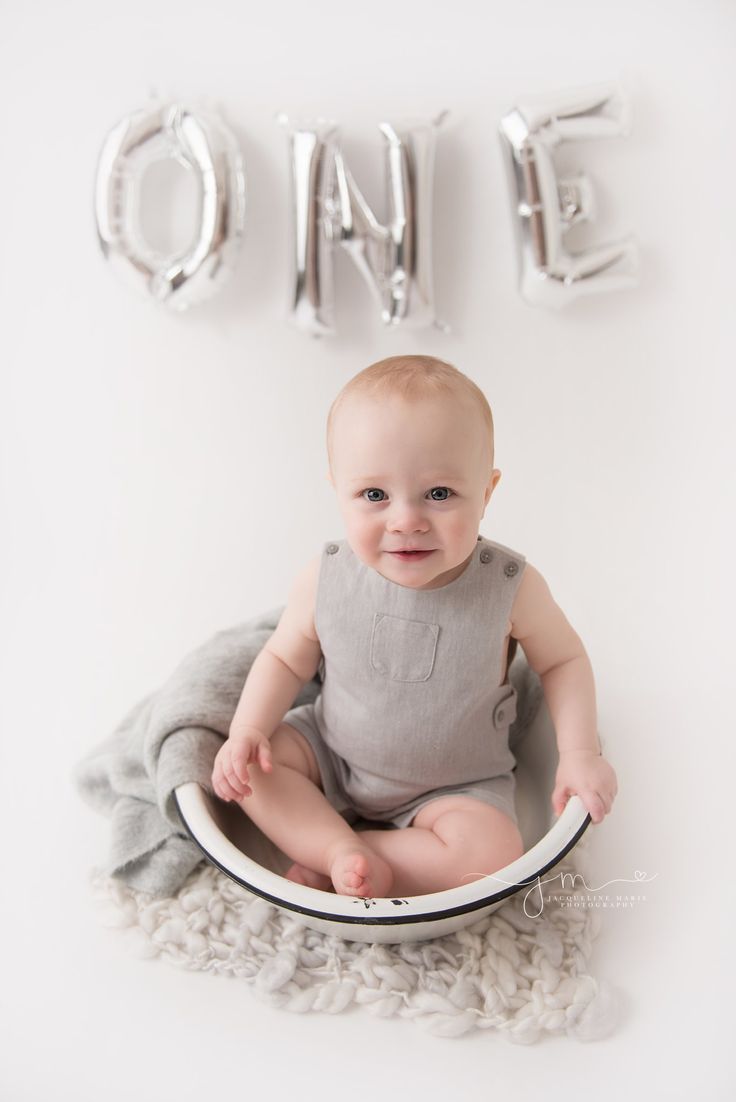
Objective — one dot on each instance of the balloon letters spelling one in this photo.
(330, 212)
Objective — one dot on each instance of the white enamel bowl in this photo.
(235, 845)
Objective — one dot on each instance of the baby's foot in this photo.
(300, 874)
(357, 870)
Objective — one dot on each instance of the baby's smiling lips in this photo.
(412, 552)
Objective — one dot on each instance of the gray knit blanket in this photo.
(172, 736)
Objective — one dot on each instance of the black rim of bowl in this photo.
(386, 920)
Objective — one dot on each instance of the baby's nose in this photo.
(406, 517)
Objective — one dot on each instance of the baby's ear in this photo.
(493, 481)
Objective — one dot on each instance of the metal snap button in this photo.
(486, 555)
(332, 548)
(510, 569)
(505, 712)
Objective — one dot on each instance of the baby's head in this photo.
(410, 447)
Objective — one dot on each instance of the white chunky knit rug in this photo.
(525, 976)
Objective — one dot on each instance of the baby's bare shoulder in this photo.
(540, 625)
(532, 601)
(303, 598)
(295, 640)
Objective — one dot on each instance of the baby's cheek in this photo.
(459, 527)
(363, 539)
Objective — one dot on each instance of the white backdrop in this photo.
(164, 476)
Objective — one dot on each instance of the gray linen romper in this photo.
(415, 703)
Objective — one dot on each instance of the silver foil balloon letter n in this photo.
(329, 211)
(200, 141)
(546, 206)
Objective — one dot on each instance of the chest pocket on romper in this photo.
(403, 650)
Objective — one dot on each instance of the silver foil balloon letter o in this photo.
(329, 210)
(202, 143)
(546, 206)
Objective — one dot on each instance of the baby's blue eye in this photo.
(369, 495)
(440, 493)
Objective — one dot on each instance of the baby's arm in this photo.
(287, 661)
(555, 651)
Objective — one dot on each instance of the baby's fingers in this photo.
(222, 786)
(236, 774)
(595, 805)
(560, 797)
(225, 791)
(230, 775)
(239, 757)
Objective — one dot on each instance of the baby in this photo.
(409, 620)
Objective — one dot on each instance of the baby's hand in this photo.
(589, 776)
(230, 778)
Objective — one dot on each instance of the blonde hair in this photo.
(411, 377)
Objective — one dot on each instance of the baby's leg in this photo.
(452, 841)
(290, 809)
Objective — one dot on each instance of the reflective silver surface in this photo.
(201, 142)
(330, 211)
(546, 206)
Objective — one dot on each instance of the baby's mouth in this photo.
(411, 554)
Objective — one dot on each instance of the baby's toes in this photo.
(348, 874)
(359, 872)
(356, 868)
